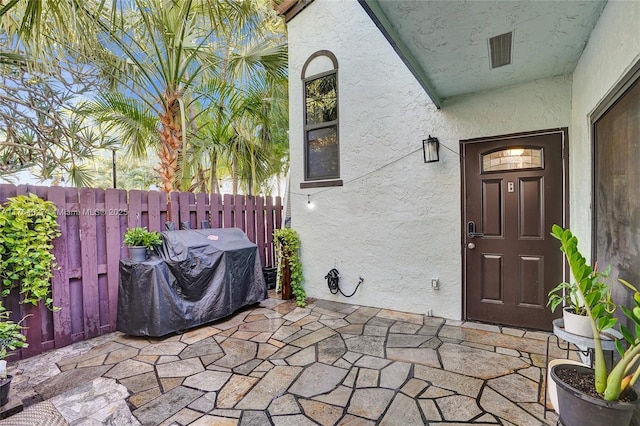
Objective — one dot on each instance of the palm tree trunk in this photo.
(215, 184)
(234, 173)
(171, 142)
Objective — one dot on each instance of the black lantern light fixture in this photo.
(430, 148)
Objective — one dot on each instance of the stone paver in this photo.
(338, 397)
(403, 411)
(235, 389)
(237, 352)
(318, 379)
(141, 382)
(458, 408)
(459, 383)
(362, 315)
(205, 403)
(324, 414)
(500, 406)
(370, 403)
(330, 363)
(163, 348)
(166, 405)
(314, 337)
(105, 406)
(283, 405)
(303, 357)
(272, 385)
(478, 363)
(368, 345)
(518, 388)
(394, 375)
(426, 356)
(182, 368)
(207, 380)
(69, 379)
(204, 347)
(429, 409)
(254, 418)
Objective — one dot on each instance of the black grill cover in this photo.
(201, 275)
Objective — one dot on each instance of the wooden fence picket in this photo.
(155, 210)
(113, 237)
(261, 236)
(227, 208)
(60, 281)
(89, 273)
(92, 223)
(215, 210)
(201, 210)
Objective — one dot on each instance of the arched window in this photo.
(321, 137)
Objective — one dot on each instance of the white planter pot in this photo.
(581, 326)
(577, 324)
(552, 392)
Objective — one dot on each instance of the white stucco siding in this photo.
(613, 48)
(399, 226)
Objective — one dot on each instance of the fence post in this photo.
(60, 281)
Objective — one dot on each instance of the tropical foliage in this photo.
(202, 83)
(610, 384)
(11, 337)
(41, 126)
(28, 227)
(194, 80)
(287, 242)
(142, 237)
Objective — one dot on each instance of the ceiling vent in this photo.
(500, 50)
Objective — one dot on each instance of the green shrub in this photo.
(11, 337)
(28, 227)
(287, 242)
(141, 237)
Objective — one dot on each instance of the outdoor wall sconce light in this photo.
(430, 148)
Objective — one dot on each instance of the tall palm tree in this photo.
(167, 51)
(250, 94)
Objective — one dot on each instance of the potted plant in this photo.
(574, 311)
(11, 338)
(598, 396)
(139, 240)
(287, 243)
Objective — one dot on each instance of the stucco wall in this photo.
(397, 225)
(613, 48)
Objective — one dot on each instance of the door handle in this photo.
(471, 227)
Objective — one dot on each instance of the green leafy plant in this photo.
(28, 227)
(592, 290)
(589, 286)
(11, 337)
(287, 242)
(141, 237)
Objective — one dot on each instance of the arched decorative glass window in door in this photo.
(516, 158)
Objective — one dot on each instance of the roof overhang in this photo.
(290, 8)
(446, 44)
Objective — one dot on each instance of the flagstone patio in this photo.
(277, 364)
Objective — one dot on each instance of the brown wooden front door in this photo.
(513, 192)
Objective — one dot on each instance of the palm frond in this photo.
(130, 119)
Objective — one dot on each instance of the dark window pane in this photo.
(322, 154)
(320, 97)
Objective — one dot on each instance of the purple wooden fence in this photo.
(92, 222)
